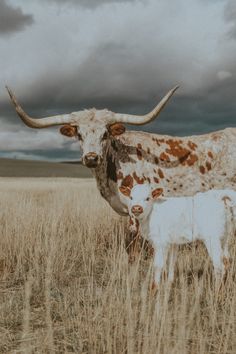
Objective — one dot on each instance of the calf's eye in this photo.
(79, 136)
(147, 199)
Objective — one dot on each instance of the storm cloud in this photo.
(124, 60)
(230, 16)
(89, 3)
(12, 19)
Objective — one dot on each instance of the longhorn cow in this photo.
(119, 159)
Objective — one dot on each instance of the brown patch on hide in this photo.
(208, 165)
(120, 175)
(160, 141)
(116, 129)
(210, 154)
(125, 190)
(128, 181)
(177, 150)
(160, 173)
(156, 180)
(139, 153)
(156, 160)
(192, 145)
(68, 130)
(202, 169)
(192, 159)
(139, 180)
(157, 192)
(164, 157)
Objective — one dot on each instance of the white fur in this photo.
(208, 216)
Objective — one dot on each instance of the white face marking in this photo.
(93, 132)
(141, 195)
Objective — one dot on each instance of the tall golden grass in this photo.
(66, 285)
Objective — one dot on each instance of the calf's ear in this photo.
(68, 130)
(116, 129)
(125, 190)
(157, 193)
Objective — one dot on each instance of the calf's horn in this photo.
(140, 120)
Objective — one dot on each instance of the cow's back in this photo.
(182, 165)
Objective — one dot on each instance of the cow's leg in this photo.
(148, 248)
(136, 242)
(133, 248)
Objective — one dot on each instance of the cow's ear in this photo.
(157, 193)
(116, 129)
(68, 130)
(125, 190)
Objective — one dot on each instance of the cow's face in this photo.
(141, 198)
(93, 133)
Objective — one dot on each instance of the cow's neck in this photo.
(106, 174)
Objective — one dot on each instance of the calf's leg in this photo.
(215, 252)
(172, 263)
(160, 261)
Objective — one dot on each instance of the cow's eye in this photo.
(131, 198)
(105, 136)
(79, 136)
(148, 198)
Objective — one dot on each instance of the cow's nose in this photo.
(137, 210)
(91, 159)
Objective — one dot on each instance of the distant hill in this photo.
(26, 168)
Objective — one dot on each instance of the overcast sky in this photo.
(64, 55)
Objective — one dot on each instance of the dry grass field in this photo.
(66, 285)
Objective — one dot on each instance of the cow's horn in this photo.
(39, 123)
(139, 120)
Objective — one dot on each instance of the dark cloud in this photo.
(12, 19)
(230, 16)
(90, 3)
(116, 77)
(123, 61)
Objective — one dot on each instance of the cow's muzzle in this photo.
(91, 160)
(137, 210)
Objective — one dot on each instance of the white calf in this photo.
(208, 216)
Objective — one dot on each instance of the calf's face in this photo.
(141, 198)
